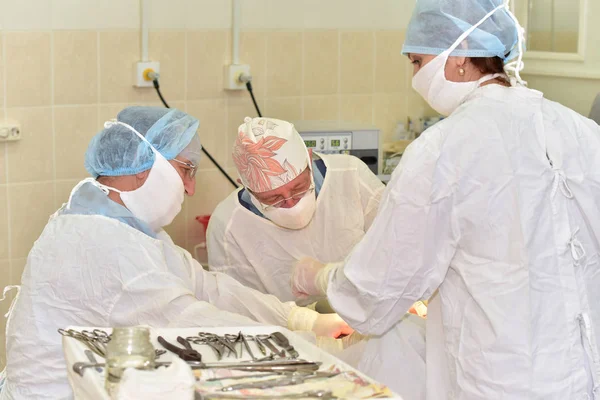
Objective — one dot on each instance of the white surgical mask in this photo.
(443, 95)
(296, 217)
(158, 201)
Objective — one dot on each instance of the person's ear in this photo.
(141, 177)
(460, 61)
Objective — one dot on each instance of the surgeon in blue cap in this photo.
(104, 259)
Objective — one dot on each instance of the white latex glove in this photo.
(310, 278)
(331, 325)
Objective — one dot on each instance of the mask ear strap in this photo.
(471, 29)
(113, 122)
(516, 66)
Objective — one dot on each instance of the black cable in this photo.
(249, 87)
(157, 87)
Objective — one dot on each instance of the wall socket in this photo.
(140, 73)
(232, 75)
(10, 131)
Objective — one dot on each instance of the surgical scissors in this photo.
(216, 342)
(95, 340)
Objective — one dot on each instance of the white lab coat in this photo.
(90, 270)
(511, 239)
(260, 254)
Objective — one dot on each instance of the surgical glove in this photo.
(334, 346)
(310, 277)
(303, 319)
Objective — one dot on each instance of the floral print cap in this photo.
(268, 153)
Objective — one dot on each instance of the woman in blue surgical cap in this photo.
(494, 212)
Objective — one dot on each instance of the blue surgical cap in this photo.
(436, 24)
(118, 151)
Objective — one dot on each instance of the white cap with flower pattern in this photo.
(268, 153)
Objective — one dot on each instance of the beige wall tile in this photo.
(75, 67)
(2, 72)
(26, 14)
(285, 108)
(169, 48)
(27, 69)
(208, 14)
(74, 128)
(5, 281)
(321, 108)
(106, 112)
(31, 158)
(62, 191)
(213, 129)
(272, 14)
(284, 64)
(30, 207)
(119, 14)
(4, 306)
(119, 51)
(356, 14)
(356, 108)
(215, 189)
(562, 90)
(170, 14)
(321, 62)
(4, 233)
(207, 54)
(76, 14)
(356, 62)
(3, 150)
(390, 65)
(389, 109)
(253, 51)
(17, 266)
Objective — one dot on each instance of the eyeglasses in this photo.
(295, 196)
(191, 168)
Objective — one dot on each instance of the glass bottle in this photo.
(128, 348)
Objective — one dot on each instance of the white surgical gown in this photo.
(260, 254)
(498, 208)
(92, 270)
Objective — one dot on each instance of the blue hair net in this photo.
(118, 151)
(436, 24)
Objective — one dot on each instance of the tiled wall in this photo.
(66, 67)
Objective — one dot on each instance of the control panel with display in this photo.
(339, 144)
(339, 137)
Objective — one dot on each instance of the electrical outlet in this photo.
(140, 73)
(232, 75)
(10, 131)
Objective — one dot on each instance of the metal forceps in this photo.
(215, 342)
(264, 339)
(95, 345)
(233, 339)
